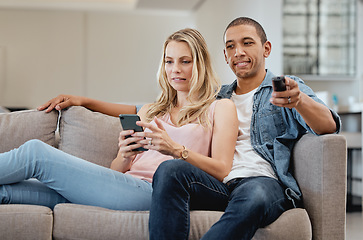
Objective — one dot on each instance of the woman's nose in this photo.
(176, 67)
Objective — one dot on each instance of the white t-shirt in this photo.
(246, 163)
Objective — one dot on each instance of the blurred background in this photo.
(110, 49)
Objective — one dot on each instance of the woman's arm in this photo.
(62, 101)
(225, 131)
(125, 155)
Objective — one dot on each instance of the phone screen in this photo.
(128, 122)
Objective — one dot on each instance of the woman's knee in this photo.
(34, 150)
(33, 144)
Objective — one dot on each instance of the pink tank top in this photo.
(193, 136)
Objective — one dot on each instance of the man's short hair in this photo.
(248, 21)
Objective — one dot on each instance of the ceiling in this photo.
(124, 5)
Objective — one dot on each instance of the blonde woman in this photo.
(186, 122)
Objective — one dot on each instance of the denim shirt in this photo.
(275, 130)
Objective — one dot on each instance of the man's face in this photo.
(244, 52)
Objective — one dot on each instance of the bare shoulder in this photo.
(225, 105)
(142, 112)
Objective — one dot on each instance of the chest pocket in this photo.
(271, 123)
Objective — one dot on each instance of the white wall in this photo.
(42, 55)
(111, 55)
(123, 53)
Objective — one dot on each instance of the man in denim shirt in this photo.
(259, 187)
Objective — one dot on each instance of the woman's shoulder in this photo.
(225, 107)
(142, 112)
(224, 102)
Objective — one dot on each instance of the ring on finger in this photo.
(150, 142)
(289, 100)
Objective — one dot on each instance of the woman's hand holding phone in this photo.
(158, 139)
(126, 153)
(128, 144)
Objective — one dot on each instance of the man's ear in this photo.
(267, 46)
(225, 56)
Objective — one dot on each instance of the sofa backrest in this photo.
(18, 127)
(92, 136)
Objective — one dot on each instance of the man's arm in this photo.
(63, 101)
(316, 115)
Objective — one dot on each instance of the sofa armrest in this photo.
(320, 169)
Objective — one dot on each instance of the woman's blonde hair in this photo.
(204, 84)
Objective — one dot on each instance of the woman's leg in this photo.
(30, 192)
(77, 180)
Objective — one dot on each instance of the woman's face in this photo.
(178, 65)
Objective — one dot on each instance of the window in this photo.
(319, 37)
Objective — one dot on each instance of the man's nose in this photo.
(239, 51)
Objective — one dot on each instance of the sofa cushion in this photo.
(92, 136)
(18, 127)
(72, 221)
(29, 222)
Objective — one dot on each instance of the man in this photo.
(259, 187)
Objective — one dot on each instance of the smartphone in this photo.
(128, 122)
(278, 83)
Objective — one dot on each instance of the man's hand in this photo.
(60, 102)
(289, 98)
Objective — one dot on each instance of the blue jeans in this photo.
(60, 177)
(248, 203)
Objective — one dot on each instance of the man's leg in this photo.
(254, 202)
(178, 186)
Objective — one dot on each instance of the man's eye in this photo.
(248, 43)
(229, 46)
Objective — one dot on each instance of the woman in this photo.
(185, 122)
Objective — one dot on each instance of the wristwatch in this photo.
(184, 154)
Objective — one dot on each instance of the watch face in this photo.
(185, 154)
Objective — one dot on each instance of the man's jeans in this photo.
(64, 178)
(178, 187)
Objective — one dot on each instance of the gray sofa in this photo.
(319, 166)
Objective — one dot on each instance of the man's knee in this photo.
(170, 169)
(256, 195)
(171, 174)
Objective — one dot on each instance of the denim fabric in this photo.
(64, 178)
(275, 130)
(179, 187)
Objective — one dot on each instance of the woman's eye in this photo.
(186, 62)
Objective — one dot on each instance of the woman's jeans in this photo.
(178, 187)
(60, 177)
